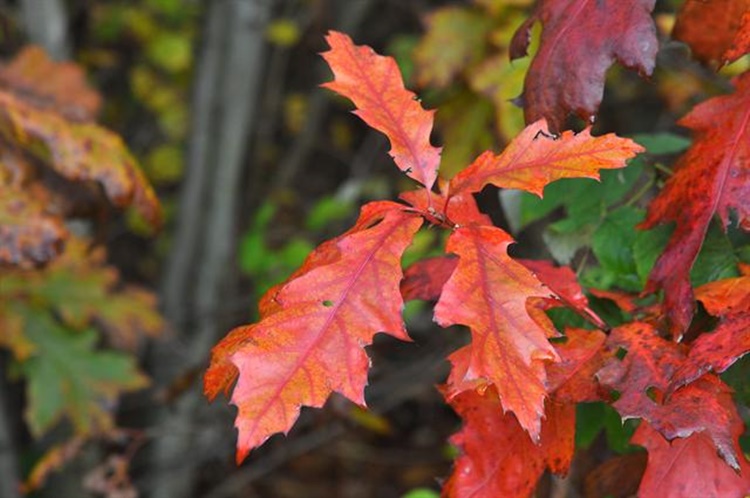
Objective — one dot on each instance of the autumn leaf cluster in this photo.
(518, 383)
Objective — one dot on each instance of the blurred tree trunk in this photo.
(9, 472)
(46, 23)
(199, 270)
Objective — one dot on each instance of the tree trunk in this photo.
(46, 23)
(198, 275)
(9, 474)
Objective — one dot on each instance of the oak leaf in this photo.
(79, 152)
(562, 281)
(726, 296)
(488, 292)
(373, 82)
(497, 456)
(643, 379)
(534, 159)
(717, 31)
(688, 467)
(312, 343)
(68, 378)
(425, 279)
(712, 177)
(581, 39)
(80, 290)
(717, 350)
(572, 379)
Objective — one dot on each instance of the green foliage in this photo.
(67, 376)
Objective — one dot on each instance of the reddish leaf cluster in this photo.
(512, 385)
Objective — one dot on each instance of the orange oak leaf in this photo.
(373, 82)
(534, 159)
(312, 343)
(488, 292)
(497, 456)
(717, 31)
(688, 467)
(712, 177)
(222, 373)
(580, 40)
(722, 297)
(79, 152)
(643, 378)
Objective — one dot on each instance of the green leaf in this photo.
(647, 247)
(170, 51)
(663, 143)
(717, 258)
(592, 418)
(612, 244)
(326, 211)
(422, 493)
(68, 378)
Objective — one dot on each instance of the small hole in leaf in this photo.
(652, 394)
(327, 303)
(620, 353)
(615, 395)
(558, 340)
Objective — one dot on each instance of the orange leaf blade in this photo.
(373, 82)
(313, 343)
(488, 292)
(498, 457)
(533, 160)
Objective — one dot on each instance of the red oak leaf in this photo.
(498, 458)
(647, 366)
(563, 282)
(717, 350)
(741, 44)
(643, 379)
(572, 379)
(534, 159)
(581, 39)
(687, 467)
(312, 344)
(425, 279)
(716, 30)
(712, 177)
(728, 299)
(488, 292)
(373, 82)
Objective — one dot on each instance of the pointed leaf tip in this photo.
(373, 83)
